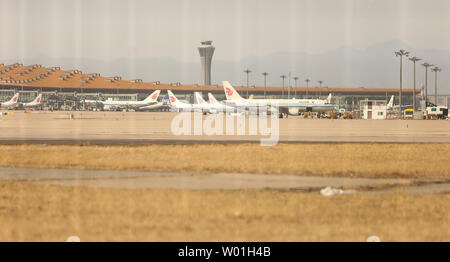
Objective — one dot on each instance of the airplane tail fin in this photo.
(153, 97)
(165, 99)
(38, 99)
(230, 92)
(15, 98)
(212, 99)
(198, 98)
(172, 98)
(329, 99)
(391, 102)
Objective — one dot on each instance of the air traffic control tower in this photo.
(206, 51)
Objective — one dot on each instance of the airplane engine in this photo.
(294, 111)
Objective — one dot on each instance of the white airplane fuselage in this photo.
(111, 104)
(151, 107)
(12, 103)
(291, 106)
(285, 106)
(213, 106)
(180, 106)
(36, 102)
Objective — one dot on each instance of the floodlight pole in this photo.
(401, 53)
(320, 86)
(265, 74)
(307, 86)
(436, 70)
(289, 85)
(426, 65)
(295, 90)
(282, 90)
(414, 60)
(247, 71)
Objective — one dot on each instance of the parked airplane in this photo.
(165, 99)
(110, 104)
(391, 107)
(198, 99)
(317, 101)
(285, 106)
(12, 103)
(213, 106)
(213, 100)
(177, 105)
(36, 102)
(157, 105)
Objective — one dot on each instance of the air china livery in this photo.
(12, 103)
(151, 107)
(109, 104)
(391, 107)
(213, 101)
(213, 106)
(163, 104)
(36, 102)
(177, 105)
(285, 106)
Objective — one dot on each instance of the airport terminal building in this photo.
(57, 83)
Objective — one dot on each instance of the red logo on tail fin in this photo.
(229, 91)
(172, 99)
(154, 96)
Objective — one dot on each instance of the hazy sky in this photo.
(106, 30)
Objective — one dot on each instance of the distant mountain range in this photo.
(375, 67)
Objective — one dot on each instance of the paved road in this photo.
(222, 181)
(155, 127)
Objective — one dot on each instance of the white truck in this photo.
(437, 112)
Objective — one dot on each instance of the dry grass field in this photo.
(43, 212)
(53, 213)
(355, 160)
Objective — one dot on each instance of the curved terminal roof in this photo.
(36, 76)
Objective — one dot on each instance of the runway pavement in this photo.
(59, 127)
(214, 181)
